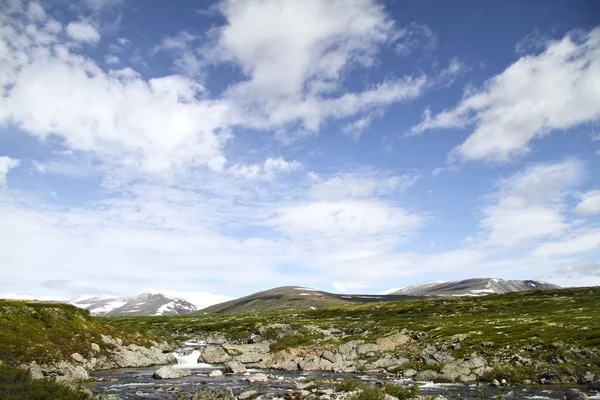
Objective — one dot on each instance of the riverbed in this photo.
(138, 383)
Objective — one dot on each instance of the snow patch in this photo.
(113, 305)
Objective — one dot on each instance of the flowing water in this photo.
(138, 383)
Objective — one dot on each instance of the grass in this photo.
(401, 392)
(483, 324)
(45, 332)
(16, 384)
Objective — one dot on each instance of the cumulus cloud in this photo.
(529, 205)
(296, 54)
(83, 32)
(48, 91)
(517, 106)
(590, 203)
(6, 164)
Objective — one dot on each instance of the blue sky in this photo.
(213, 149)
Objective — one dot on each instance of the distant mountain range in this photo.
(472, 287)
(294, 298)
(142, 305)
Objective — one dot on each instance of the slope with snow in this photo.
(143, 304)
(473, 287)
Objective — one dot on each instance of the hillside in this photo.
(473, 287)
(44, 331)
(559, 329)
(144, 304)
(295, 298)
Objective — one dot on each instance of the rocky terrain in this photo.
(472, 287)
(521, 338)
(145, 304)
(63, 342)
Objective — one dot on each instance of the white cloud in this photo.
(6, 164)
(111, 59)
(529, 205)
(587, 269)
(416, 36)
(187, 61)
(117, 116)
(98, 5)
(590, 203)
(83, 32)
(577, 243)
(271, 168)
(295, 55)
(360, 186)
(517, 106)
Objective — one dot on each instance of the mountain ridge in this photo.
(145, 304)
(298, 297)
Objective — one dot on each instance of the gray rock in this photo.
(248, 395)
(170, 373)
(215, 373)
(235, 367)
(391, 342)
(258, 378)
(427, 375)
(250, 358)
(574, 394)
(409, 373)
(221, 394)
(35, 371)
(310, 363)
(78, 357)
(388, 397)
(95, 347)
(328, 355)
(587, 378)
(349, 350)
(495, 383)
(367, 348)
(215, 355)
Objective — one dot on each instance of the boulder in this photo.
(78, 357)
(248, 395)
(170, 373)
(215, 355)
(310, 363)
(430, 355)
(574, 394)
(328, 355)
(215, 373)
(368, 348)
(250, 358)
(95, 347)
(234, 367)
(427, 375)
(258, 378)
(349, 350)
(409, 373)
(390, 343)
(454, 370)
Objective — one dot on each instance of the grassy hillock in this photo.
(543, 323)
(17, 384)
(295, 298)
(45, 331)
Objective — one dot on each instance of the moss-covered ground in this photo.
(48, 331)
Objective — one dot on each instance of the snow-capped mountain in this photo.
(473, 287)
(143, 304)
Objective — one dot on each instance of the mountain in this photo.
(143, 304)
(295, 298)
(472, 287)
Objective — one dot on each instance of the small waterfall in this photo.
(188, 357)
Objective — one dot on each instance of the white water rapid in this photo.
(189, 355)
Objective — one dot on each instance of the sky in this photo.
(209, 150)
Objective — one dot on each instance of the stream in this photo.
(138, 383)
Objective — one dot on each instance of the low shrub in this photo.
(401, 392)
(16, 384)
